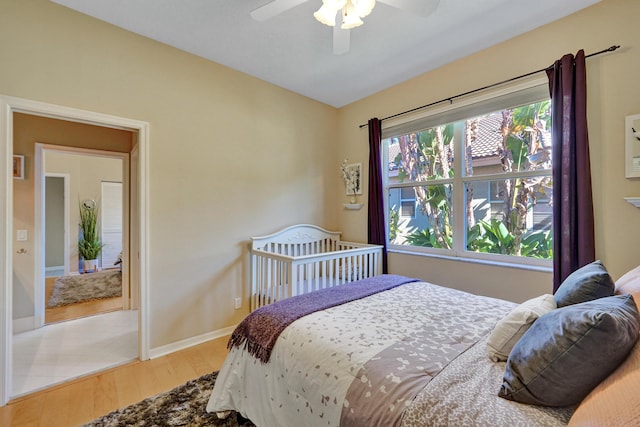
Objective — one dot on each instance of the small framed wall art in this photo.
(632, 146)
(18, 166)
(352, 175)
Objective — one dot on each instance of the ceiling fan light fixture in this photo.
(326, 15)
(363, 7)
(350, 18)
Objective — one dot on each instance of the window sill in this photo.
(503, 264)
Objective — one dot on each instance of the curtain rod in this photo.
(451, 98)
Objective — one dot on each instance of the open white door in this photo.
(111, 223)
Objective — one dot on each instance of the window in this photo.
(474, 181)
(407, 202)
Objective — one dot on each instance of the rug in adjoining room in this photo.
(185, 405)
(86, 287)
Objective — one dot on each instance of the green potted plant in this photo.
(89, 243)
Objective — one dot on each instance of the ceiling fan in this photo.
(330, 8)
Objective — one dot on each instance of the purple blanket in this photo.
(259, 331)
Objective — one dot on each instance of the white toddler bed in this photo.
(303, 258)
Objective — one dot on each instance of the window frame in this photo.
(530, 91)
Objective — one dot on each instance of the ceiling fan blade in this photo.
(422, 8)
(276, 7)
(341, 40)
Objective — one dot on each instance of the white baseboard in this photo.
(24, 324)
(189, 342)
(58, 267)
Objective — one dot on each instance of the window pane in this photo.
(431, 224)
(512, 140)
(510, 216)
(421, 156)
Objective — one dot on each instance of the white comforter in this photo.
(318, 357)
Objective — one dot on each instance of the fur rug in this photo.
(183, 406)
(86, 287)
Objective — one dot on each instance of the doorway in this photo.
(9, 107)
(53, 352)
(92, 176)
(56, 196)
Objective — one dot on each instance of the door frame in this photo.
(8, 106)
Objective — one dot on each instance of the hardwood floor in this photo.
(74, 311)
(85, 399)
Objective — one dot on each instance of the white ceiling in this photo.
(294, 51)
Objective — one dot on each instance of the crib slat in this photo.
(254, 282)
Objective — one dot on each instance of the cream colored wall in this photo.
(230, 156)
(613, 93)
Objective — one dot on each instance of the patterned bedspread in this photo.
(465, 394)
(367, 362)
(258, 332)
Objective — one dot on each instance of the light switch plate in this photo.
(21, 235)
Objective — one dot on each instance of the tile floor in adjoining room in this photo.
(62, 351)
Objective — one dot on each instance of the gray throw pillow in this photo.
(587, 283)
(568, 351)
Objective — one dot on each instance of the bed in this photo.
(401, 352)
(303, 258)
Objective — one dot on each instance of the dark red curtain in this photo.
(573, 224)
(376, 225)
